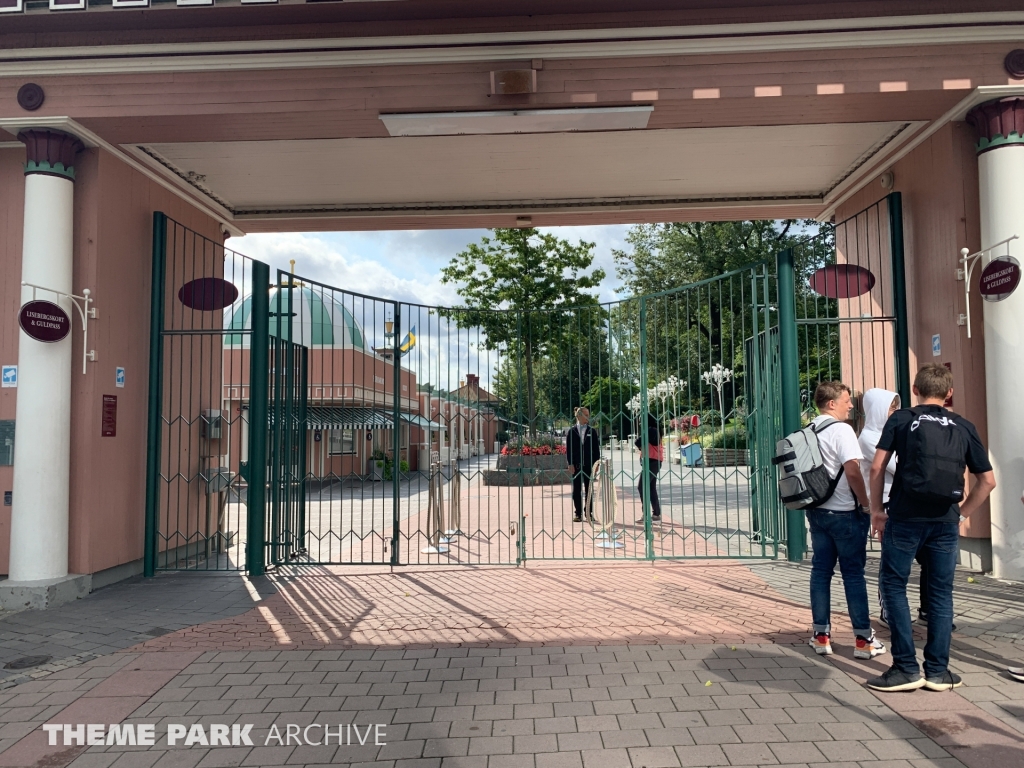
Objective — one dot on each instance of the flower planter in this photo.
(726, 457)
(527, 476)
(512, 463)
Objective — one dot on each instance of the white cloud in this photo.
(403, 265)
(335, 264)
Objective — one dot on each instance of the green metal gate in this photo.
(843, 316)
(296, 423)
(434, 435)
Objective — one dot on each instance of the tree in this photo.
(608, 400)
(519, 285)
(709, 323)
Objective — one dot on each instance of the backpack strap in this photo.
(817, 430)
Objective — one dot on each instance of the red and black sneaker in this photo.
(822, 644)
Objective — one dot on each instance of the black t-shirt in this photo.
(894, 438)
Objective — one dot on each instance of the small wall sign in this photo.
(44, 321)
(1000, 278)
(119, 378)
(109, 420)
(936, 345)
(9, 375)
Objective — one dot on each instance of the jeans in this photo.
(937, 543)
(654, 465)
(922, 609)
(839, 537)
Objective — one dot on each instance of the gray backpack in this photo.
(804, 483)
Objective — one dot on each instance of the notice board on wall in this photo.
(109, 421)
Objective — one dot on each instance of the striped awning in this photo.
(319, 417)
(322, 417)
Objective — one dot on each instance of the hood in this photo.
(876, 410)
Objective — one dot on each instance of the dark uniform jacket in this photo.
(582, 453)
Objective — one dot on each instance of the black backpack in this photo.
(933, 469)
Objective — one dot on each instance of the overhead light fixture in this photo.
(524, 221)
(518, 121)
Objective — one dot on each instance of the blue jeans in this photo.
(839, 537)
(937, 544)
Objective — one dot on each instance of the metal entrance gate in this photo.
(292, 422)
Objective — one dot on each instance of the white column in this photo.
(39, 514)
(1001, 180)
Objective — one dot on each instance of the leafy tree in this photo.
(608, 400)
(519, 285)
(690, 331)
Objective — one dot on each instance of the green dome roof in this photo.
(318, 319)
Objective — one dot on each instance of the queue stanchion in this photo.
(603, 488)
(435, 513)
(455, 507)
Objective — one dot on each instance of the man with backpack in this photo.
(933, 447)
(835, 501)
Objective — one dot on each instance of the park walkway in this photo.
(619, 665)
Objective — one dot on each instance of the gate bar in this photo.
(396, 461)
(156, 381)
(259, 394)
(796, 531)
(899, 295)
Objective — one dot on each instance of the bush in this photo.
(735, 436)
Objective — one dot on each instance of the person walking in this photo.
(934, 447)
(839, 525)
(582, 450)
(650, 445)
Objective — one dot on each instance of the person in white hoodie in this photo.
(879, 405)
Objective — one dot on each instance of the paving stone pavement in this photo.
(583, 666)
(119, 617)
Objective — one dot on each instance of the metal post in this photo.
(899, 296)
(259, 395)
(303, 440)
(396, 461)
(645, 467)
(156, 381)
(796, 526)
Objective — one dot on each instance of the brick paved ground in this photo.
(594, 666)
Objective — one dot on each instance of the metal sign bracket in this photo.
(968, 261)
(83, 311)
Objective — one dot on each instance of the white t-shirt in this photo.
(838, 445)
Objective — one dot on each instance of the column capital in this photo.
(50, 152)
(998, 123)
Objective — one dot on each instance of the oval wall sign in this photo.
(208, 294)
(842, 281)
(44, 321)
(1000, 278)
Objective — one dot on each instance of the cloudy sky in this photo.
(401, 265)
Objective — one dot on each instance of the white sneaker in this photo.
(868, 648)
(822, 644)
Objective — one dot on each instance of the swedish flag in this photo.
(408, 342)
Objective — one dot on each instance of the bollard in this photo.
(435, 513)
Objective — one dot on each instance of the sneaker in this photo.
(1017, 673)
(922, 619)
(868, 648)
(883, 619)
(947, 681)
(822, 644)
(577, 519)
(895, 680)
(655, 518)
